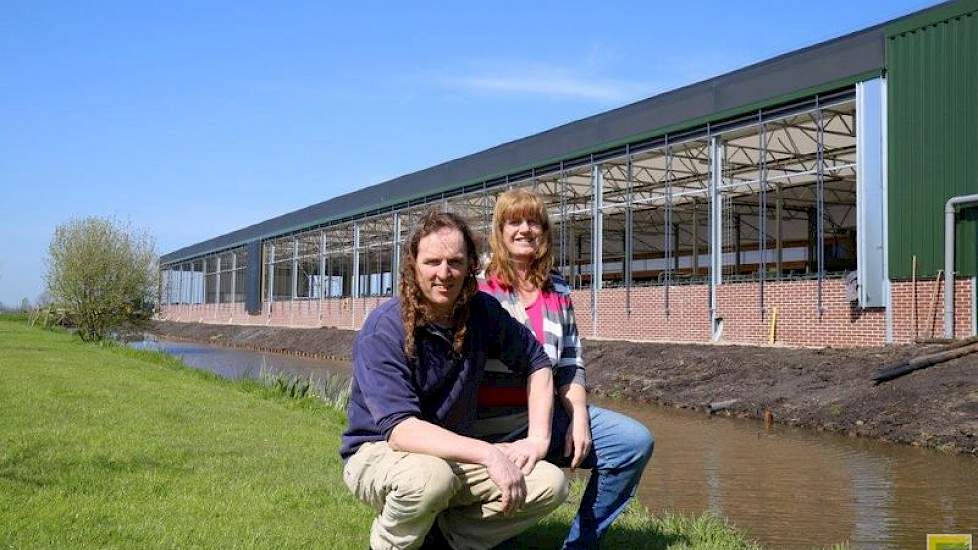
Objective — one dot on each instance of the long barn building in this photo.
(799, 200)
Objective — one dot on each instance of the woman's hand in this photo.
(525, 453)
(577, 445)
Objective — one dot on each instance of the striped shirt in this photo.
(551, 318)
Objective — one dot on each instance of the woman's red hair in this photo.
(520, 204)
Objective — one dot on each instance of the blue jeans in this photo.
(621, 447)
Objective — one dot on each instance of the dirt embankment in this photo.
(826, 389)
(324, 343)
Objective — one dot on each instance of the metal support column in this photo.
(820, 200)
(675, 254)
(887, 288)
(321, 291)
(716, 232)
(322, 265)
(295, 268)
(577, 260)
(271, 275)
(779, 229)
(355, 276)
(737, 237)
(234, 277)
(355, 286)
(193, 280)
(217, 280)
(180, 286)
(396, 256)
(597, 246)
(329, 271)
(564, 258)
(365, 286)
(667, 227)
(695, 263)
(628, 236)
(486, 214)
(762, 214)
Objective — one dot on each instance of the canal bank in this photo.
(788, 487)
(824, 389)
(106, 446)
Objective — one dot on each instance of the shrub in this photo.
(103, 273)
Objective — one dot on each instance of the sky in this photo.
(193, 119)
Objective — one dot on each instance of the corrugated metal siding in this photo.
(932, 105)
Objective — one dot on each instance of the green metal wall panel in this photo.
(932, 118)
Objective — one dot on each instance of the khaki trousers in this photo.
(410, 491)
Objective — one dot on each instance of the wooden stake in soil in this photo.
(933, 303)
(772, 331)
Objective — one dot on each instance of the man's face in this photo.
(440, 269)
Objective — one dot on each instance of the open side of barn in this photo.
(800, 200)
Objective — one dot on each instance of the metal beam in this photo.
(355, 284)
(271, 273)
(629, 245)
(716, 230)
(597, 247)
(396, 256)
(295, 267)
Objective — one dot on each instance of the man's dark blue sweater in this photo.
(436, 386)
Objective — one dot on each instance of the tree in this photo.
(25, 304)
(103, 272)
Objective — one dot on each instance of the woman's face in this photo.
(522, 238)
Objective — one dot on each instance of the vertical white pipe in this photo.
(949, 207)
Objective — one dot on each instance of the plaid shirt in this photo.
(561, 341)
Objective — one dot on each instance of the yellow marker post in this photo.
(948, 542)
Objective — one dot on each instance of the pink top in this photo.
(534, 312)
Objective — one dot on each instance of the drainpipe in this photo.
(949, 259)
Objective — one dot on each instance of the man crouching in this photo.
(417, 365)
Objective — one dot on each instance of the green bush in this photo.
(103, 274)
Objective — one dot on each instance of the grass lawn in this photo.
(103, 446)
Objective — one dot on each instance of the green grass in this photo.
(19, 316)
(105, 446)
(638, 529)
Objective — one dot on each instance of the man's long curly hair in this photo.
(415, 310)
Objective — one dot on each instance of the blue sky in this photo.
(194, 119)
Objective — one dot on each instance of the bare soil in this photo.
(824, 389)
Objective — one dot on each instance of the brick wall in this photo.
(930, 313)
(686, 320)
(642, 314)
(345, 313)
(800, 321)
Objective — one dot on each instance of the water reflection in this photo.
(238, 364)
(793, 488)
(787, 487)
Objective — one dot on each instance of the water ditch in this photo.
(788, 487)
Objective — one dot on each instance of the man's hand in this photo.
(508, 477)
(578, 442)
(526, 452)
